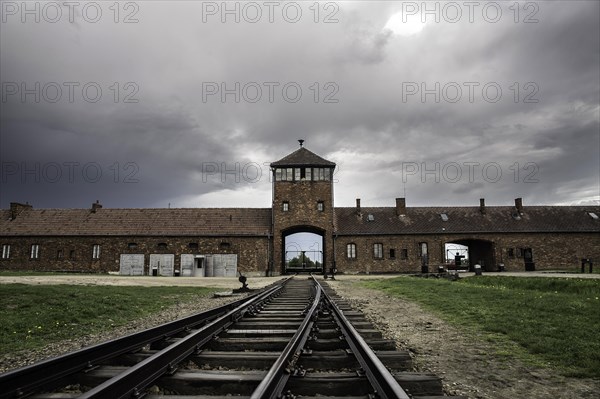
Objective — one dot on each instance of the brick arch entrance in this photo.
(480, 252)
(303, 250)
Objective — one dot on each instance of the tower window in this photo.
(320, 206)
(284, 174)
(193, 245)
(285, 206)
(392, 253)
(132, 245)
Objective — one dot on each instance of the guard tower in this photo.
(302, 212)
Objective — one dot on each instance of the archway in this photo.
(478, 252)
(303, 250)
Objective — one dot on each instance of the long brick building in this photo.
(258, 241)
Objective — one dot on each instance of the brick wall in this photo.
(77, 252)
(550, 251)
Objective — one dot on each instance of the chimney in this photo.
(482, 205)
(358, 206)
(519, 204)
(400, 206)
(16, 209)
(96, 206)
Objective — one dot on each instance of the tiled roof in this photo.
(302, 157)
(142, 222)
(257, 221)
(500, 219)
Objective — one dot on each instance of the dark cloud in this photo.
(157, 124)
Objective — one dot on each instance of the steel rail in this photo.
(132, 382)
(48, 373)
(385, 385)
(274, 382)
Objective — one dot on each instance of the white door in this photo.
(187, 265)
(163, 262)
(131, 265)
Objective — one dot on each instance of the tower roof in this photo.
(302, 157)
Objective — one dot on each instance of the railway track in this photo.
(293, 339)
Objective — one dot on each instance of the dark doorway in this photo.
(479, 252)
(528, 258)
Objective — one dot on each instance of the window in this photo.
(132, 245)
(59, 254)
(392, 253)
(404, 254)
(378, 251)
(193, 245)
(96, 252)
(162, 245)
(35, 252)
(285, 206)
(224, 245)
(284, 174)
(422, 249)
(308, 173)
(322, 174)
(511, 252)
(351, 251)
(593, 215)
(320, 206)
(6, 251)
(72, 254)
(519, 252)
(444, 217)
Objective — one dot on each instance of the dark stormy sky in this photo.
(151, 103)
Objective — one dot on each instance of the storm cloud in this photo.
(184, 104)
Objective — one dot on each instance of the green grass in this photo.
(554, 322)
(35, 315)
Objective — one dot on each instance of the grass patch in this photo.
(35, 315)
(548, 321)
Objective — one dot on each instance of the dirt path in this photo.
(467, 366)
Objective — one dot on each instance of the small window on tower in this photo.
(320, 206)
(285, 206)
